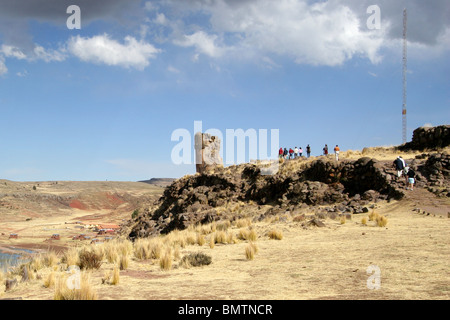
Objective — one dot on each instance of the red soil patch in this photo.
(114, 199)
(77, 204)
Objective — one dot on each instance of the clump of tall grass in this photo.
(343, 220)
(89, 259)
(220, 237)
(165, 261)
(141, 249)
(275, 234)
(26, 272)
(124, 262)
(373, 215)
(50, 259)
(191, 238)
(364, 221)
(246, 234)
(85, 292)
(242, 223)
(212, 242)
(112, 278)
(195, 260)
(200, 239)
(250, 250)
(223, 226)
(115, 276)
(71, 257)
(49, 282)
(381, 221)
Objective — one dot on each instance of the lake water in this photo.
(12, 259)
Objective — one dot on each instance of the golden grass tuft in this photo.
(242, 223)
(373, 215)
(250, 250)
(381, 221)
(115, 276)
(50, 259)
(220, 237)
(165, 262)
(124, 262)
(343, 220)
(49, 282)
(141, 249)
(246, 234)
(71, 257)
(364, 221)
(275, 234)
(85, 292)
(223, 226)
(200, 239)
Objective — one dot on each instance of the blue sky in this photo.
(101, 102)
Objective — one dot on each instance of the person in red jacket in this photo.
(280, 153)
(291, 153)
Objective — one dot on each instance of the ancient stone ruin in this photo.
(429, 138)
(207, 152)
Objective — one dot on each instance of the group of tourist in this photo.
(336, 151)
(404, 170)
(290, 153)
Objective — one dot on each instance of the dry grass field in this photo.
(308, 262)
(281, 257)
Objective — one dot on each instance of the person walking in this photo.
(336, 152)
(399, 166)
(308, 151)
(295, 152)
(280, 153)
(285, 153)
(300, 151)
(411, 178)
(325, 150)
(291, 153)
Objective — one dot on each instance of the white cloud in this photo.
(317, 34)
(204, 43)
(12, 52)
(104, 50)
(38, 53)
(3, 68)
(161, 19)
(173, 69)
(22, 74)
(48, 55)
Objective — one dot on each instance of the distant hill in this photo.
(159, 182)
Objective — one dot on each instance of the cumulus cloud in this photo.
(11, 51)
(102, 49)
(48, 55)
(3, 68)
(311, 32)
(203, 42)
(38, 53)
(317, 34)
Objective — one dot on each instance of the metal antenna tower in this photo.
(405, 66)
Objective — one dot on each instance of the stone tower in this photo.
(207, 152)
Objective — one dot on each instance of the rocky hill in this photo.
(159, 182)
(347, 186)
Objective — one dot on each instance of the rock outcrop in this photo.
(428, 138)
(345, 187)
